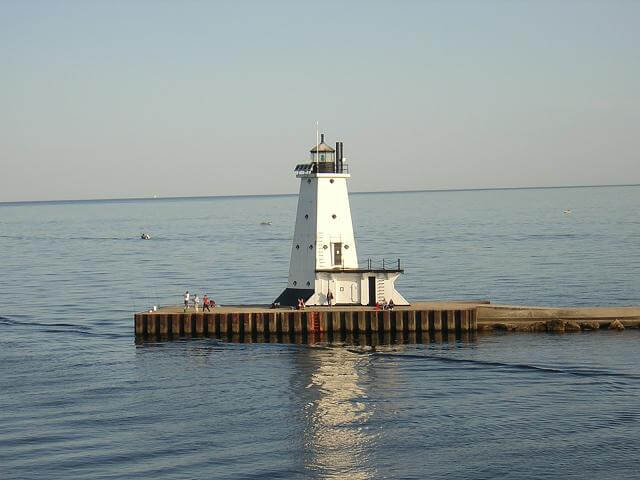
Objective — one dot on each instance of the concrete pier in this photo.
(515, 318)
(337, 320)
(425, 319)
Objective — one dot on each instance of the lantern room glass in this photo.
(323, 157)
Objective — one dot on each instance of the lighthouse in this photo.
(323, 252)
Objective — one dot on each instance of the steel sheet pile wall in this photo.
(296, 322)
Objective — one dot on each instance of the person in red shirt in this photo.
(205, 303)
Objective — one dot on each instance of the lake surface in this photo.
(79, 399)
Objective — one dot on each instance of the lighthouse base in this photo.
(348, 287)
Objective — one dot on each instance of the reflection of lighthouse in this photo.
(339, 439)
(323, 254)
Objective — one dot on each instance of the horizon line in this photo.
(258, 195)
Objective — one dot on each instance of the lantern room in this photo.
(323, 153)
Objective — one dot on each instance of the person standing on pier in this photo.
(186, 300)
(196, 302)
(329, 297)
(205, 303)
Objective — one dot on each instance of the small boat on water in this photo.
(567, 211)
(265, 222)
(145, 236)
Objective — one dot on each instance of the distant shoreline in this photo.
(266, 195)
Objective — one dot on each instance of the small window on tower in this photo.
(306, 216)
(333, 216)
(295, 283)
(310, 247)
(309, 180)
(297, 247)
(337, 253)
(308, 284)
(331, 181)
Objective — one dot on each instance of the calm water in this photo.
(78, 399)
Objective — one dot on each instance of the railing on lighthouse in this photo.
(306, 168)
(386, 265)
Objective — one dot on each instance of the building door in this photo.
(337, 253)
(372, 290)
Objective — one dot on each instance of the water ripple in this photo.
(79, 399)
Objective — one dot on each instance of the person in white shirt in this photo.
(196, 302)
(186, 300)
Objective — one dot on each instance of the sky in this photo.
(118, 99)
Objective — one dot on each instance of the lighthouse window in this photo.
(346, 247)
(306, 216)
(308, 284)
(331, 181)
(337, 253)
(310, 247)
(295, 283)
(325, 247)
(333, 216)
(297, 247)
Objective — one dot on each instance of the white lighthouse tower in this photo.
(323, 254)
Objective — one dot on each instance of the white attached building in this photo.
(323, 254)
